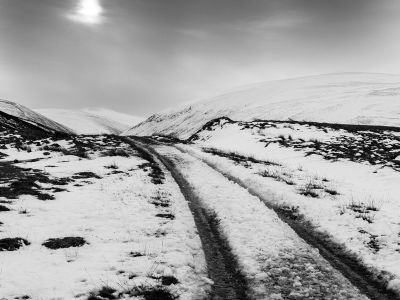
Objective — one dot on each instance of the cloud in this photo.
(88, 12)
(157, 53)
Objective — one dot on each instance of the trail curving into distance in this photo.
(225, 266)
(229, 284)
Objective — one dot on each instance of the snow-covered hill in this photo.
(27, 115)
(97, 121)
(127, 120)
(353, 98)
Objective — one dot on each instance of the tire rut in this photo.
(346, 264)
(229, 283)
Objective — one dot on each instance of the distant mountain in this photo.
(13, 115)
(348, 98)
(125, 119)
(96, 121)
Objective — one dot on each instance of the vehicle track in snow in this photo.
(335, 254)
(230, 284)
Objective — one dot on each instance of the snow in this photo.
(268, 250)
(353, 98)
(394, 285)
(358, 184)
(115, 215)
(26, 114)
(126, 119)
(95, 121)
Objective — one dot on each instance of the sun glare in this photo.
(88, 11)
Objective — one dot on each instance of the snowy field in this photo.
(100, 217)
(346, 184)
(93, 218)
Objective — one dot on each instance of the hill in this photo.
(16, 116)
(98, 121)
(348, 98)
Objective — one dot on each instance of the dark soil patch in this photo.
(159, 202)
(135, 254)
(58, 190)
(66, 242)
(85, 175)
(374, 244)
(104, 293)
(115, 152)
(12, 244)
(148, 293)
(25, 182)
(117, 172)
(166, 216)
(24, 297)
(24, 186)
(168, 280)
(238, 158)
(45, 197)
(4, 208)
(332, 192)
(291, 212)
(112, 166)
(158, 294)
(156, 174)
(309, 193)
(160, 233)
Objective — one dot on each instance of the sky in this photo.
(143, 56)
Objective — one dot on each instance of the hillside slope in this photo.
(126, 119)
(12, 112)
(353, 98)
(90, 121)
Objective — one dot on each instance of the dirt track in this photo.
(221, 264)
(229, 283)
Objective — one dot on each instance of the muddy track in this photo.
(335, 254)
(229, 283)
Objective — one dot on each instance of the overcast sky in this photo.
(142, 56)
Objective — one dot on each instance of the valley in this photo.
(200, 205)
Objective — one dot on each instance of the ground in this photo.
(276, 263)
(241, 210)
(93, 218)
(342, 181)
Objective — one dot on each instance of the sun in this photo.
(90, 8)
(88, 11)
